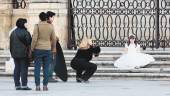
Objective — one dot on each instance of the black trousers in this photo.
(21, 71)
(84, 69)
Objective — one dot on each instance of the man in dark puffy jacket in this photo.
(20, 41)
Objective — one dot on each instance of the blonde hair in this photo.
(85, 43)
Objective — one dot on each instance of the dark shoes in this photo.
(80, 80)
(45, 88)
(24, 88)
(18, 88)
(52, 80)
(38, 88)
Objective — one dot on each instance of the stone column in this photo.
(8, 17)
(60, 22)
(5, 22)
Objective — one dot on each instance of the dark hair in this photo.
(50, 14)
(20, 23)
(43, 16)
(132, 37)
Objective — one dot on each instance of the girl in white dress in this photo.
(132, 57)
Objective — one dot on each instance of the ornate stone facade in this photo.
(9, 15)
(5, 22)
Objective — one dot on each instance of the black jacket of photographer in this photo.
(87, 54)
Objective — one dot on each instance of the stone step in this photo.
(159, 64)
(2, 68)
(115, 57)
(122, 70)
(100, 58)
(155, 64)
(152, 76)
(159, 69)
(110, 64)
(105, 52)
(99, 63)
(143, 73)
(120, 50)
(4, 57)
(116, 70)
(2, 63)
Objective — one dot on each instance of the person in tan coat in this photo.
(50, 19)
(43, 46)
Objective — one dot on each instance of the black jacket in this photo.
(87, 54)
(20, 40)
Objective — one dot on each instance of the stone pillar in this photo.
(5, 22)
(18, 13)
(60, 21)
(8, 17)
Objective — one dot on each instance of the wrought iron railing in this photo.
(110, 22)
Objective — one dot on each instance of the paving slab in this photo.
(96, 87)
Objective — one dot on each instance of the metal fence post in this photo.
(157, 25)
(71, 36)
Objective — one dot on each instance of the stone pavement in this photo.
(117, 87)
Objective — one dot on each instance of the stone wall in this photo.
(60, 21)
(5, 22)
(8, 17)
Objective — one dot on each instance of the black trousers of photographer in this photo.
(84, 69)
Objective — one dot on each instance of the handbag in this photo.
(29, 52)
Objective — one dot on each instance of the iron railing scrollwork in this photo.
(164, 23)
(110, 22)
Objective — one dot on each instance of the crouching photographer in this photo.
(81, 62)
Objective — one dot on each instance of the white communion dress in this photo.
(133, 58)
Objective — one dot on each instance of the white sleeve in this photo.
(138, 48)
(126, 45)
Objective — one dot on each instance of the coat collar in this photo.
(42, 22)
